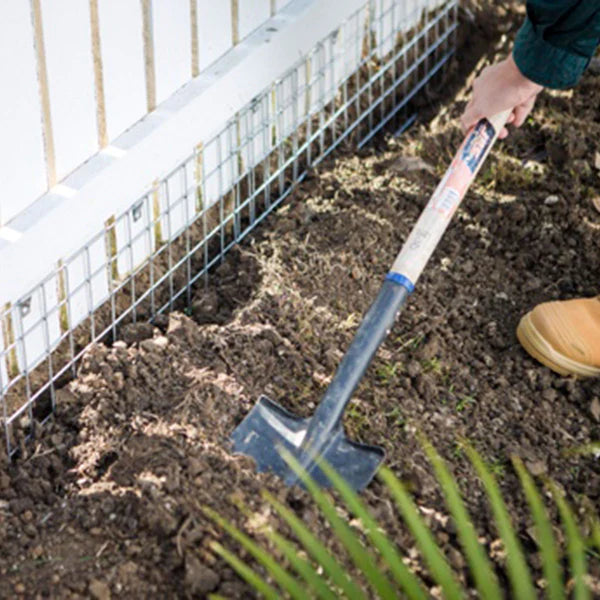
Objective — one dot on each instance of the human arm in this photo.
(552, 49)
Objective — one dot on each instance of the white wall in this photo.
(76, 104)
(122, 52)
(68, 57)
(22, 163)
(171, 33)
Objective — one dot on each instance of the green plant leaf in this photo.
(546, 542)
(361, 558)
(405, 578)
(596, 534)
(592, 448)
(290, 551)
(518, 570)
(575, 544)
(439, 568)
(317, 550)
(479, 565)
(279, 574)
(302, 566)
(244, 571)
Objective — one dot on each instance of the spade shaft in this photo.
(268, 426)
(374, 328)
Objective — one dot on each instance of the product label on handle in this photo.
(436, 216)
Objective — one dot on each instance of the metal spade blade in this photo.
(269, 427)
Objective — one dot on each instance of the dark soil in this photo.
(107, 499)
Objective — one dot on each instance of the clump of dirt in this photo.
(108, 499)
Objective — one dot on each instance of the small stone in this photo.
(532, 283)
(136, 332)
(431, 349)
(162, 322)
(206, 307)
(199, 580)
(37, 552)
(27, 516)
(550, 395)
(456, 558)
(148, 346)
(597, 161)
(552, 200)
(99, 590)
(161, 341)
(413, 368)
(596, 203)
(488, 360)
(20, 588)
(595, 409)
(127, 569)
(537, 467)
(469, 267)
(133, 550)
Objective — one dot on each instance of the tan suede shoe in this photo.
(564, 336)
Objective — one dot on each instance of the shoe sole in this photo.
(537, 346)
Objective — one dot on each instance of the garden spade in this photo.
(268, 428)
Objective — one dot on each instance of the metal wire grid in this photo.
(149, 259)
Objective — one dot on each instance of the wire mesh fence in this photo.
(151, 258)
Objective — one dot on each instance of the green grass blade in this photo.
(290, 551)
(405, 578)
(484, 576)
(439, 568)
(359, 555)
(546, 542)
(279, 574)
(302, 567)
(575, 545)
(518, 570)
(596, 534)
(317, 550)
(246, 573)
(216, 597)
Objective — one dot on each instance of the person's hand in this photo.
(499, 87)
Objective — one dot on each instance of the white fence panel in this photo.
(21, 143)
(134, 237)
(178, 202)
(67, 40)
(253, 13)
(171, 29)
(87, 281)
(214, 31)
(37, 323)
(255, 132)
(3, 359)
(219, 167)
(122, 51)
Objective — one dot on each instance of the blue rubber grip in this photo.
(401, 280)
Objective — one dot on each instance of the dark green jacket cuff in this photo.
(544, 63)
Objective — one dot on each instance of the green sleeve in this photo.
(557, 40)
